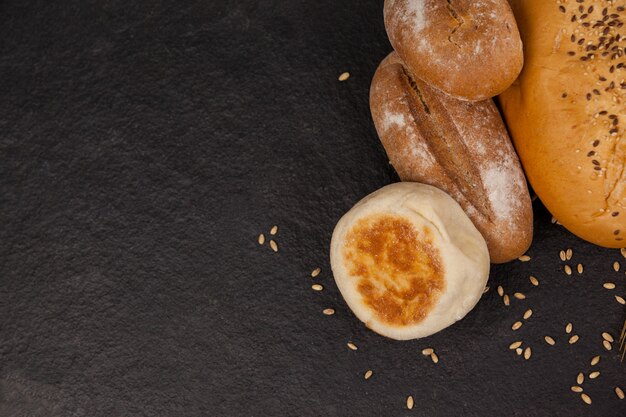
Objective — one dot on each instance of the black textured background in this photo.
(145, 145)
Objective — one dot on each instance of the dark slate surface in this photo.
(145, 145)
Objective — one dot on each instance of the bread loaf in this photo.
(566, 113)
(408, 261)
(458, 146)
(470, 49)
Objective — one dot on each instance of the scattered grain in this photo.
(274, 246)
(607, 345)
(623, 252)
(344, 76)
(516, 325)
(519, 296)
(317, 287)
(607, 336)
(519, 351)
(505, 299)
(579, 268)
(527, 353)
(434, 357)
(562, 255)
(534, 281)
(409, 402)
(328, 311)
(428, 351)
(568, 328)
(567, 269)
(261, 239)
(585, 398)
(515, 345)
(580, 378)
(619, 392)
(524, 258)
(595, 360)
(568, 254)
(528, 313)
(609, 285)
(616, 266)
(352, 346)
(620, 300)
(576, 388)
(316, 272)
(549, 340)
(573, 339)
(500, 290)
(594, 375)
(486, 290)
(368, 374)
(274, 230)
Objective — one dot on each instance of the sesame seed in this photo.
(620, 300)
(506, 300)
(409, 402)
(315, 272)
(568, 254)
(519, 351)
(549, 340)
(500, 290)
(528, 313)
(595, 360)
(534, 281)
(274, 246)
(328, 311)
(527, 353)
(317, 287)
(562, 255)
(576, 388)
(568, 328)
(580, 378)
(607, 336)
(516, 325)
(615, 266)
(594, 375)
(609, 285)
(344, 76)
(261, 239)
(434, 357)
(515, 345)
(579, 268)
(585, 398)
(519, 296)
(568, 269)
(524, 258)
(607, 345)
(274, 230)
(428, 351)
(352, 346)
(619, 392)
(573, 339)
(368, 374)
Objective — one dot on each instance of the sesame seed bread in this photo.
(408, 261)
(458, 146)
(566, 113)
(470, 49)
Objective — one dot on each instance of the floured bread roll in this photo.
(408, 261)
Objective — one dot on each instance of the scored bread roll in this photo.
(470, 49)
(458, 146)
(408, 261)
(566, 113)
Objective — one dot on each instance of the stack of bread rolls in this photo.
(413, 257)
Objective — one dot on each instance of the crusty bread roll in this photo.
(458, 146)
(470, 49)
(566, 113)
(408, 261)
